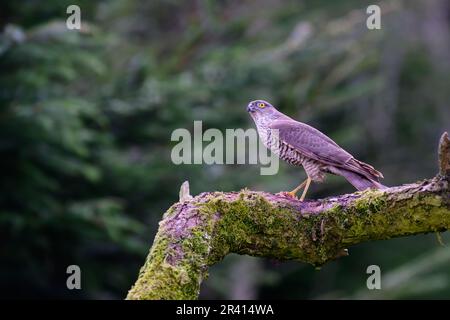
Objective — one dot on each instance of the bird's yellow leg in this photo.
(293, 192)
(308, 182)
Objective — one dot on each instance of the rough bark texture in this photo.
(197, 232)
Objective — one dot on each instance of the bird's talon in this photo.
(288, 195)
(292, 195)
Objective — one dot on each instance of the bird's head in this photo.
(260, 107)
(261, 110)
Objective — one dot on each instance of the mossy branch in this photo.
(197, 232)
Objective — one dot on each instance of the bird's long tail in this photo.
(358, 181)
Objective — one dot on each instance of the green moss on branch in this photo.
(202, 230)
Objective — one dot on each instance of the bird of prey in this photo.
(302, 145)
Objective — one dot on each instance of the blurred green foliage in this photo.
(86, 118)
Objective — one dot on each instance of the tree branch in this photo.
(197, 232)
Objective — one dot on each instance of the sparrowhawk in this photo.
(300, 144)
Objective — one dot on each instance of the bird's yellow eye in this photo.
(261, 105)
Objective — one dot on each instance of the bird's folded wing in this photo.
(315, 145)
(310, 142)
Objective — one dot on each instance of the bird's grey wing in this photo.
(313, 144)
(310, 142)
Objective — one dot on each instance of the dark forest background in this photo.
(86, 118)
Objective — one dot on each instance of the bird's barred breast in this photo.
(287, 153)
(283, 150)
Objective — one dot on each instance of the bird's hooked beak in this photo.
(250, 107)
